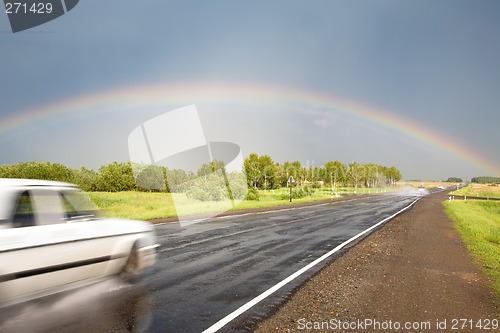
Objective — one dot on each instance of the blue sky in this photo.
(436, 63)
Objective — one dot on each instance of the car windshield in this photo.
(78, 205)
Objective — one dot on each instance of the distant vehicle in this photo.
(421, 188)
(440, 187)
(51, 239)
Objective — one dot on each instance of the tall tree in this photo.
(252, 169)
(295, 170)
(260, 171)
(392, 175)
(335, 173)
(356, 175)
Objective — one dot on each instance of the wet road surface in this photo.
(207, 270)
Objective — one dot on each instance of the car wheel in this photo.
(131, 269)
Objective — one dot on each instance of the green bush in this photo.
(38, 170)
(150, 177)
(178, 180)
(238, 185)
(298, 193)
(116, 177)
(208, 188)
(253, 194)
(86, 179)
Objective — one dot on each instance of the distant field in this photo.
(480, 190)
(478, 223)
(429, 184)
(149, 206)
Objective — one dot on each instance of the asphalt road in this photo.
(207, 270)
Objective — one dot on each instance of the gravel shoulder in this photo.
(413, 271)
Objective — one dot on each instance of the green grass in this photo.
(134, 205)
(478, 223)
(480, 190)
(271, 198)
(150, 206)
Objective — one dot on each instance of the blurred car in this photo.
(52, 239)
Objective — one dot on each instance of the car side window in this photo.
(78, 206)
(48, 206)
(23, 215)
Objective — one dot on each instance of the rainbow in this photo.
(176, 95)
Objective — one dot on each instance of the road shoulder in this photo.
(413, 270)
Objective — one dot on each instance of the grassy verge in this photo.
(134, 205)
(149, 206)
(478, 223)
(480, 190)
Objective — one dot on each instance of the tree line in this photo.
(261, 173)
(113, 177)
(454, 180)
(486, 180)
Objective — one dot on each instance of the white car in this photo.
(52, 240)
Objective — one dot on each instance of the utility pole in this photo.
(290, 184)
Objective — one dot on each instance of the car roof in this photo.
(16, 182)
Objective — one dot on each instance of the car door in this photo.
(45, 253)
(97, 239)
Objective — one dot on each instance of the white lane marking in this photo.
(247, 306)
